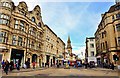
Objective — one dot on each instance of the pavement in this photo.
(31, 69)
(104, 69)
(27, 70)
(53, 71)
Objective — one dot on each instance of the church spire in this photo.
(69, 43)
(68, 40)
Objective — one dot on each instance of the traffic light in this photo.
(115, 57)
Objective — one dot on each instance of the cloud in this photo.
(79, 52)
(65, 18)
(71, 0)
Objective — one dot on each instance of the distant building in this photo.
(107, 35)
(90, 54)
(68, 54)
(53, 47)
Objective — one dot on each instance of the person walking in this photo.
(6, 67)
(33, 65)
(18, 65)
(48, 64)
(11, 65)
(86, 65)
(3, 64)
(42, 64)
(112, 66)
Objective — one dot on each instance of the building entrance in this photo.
(54, 60)
(47, 57)
(34, 58)
(16, 55)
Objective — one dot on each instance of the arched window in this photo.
(33, 19)
(39, 24)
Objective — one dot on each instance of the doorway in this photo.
(39, 62)
(34, 58)
(51, 62)
(16, 55)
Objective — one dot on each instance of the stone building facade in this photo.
(90, 49)
(107, 35)
(54, 47)
(22, 34)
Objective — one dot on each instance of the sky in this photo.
(78, 19)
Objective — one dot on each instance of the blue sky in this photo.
(77, 19)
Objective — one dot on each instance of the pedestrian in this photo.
(24, 66)
(86, 65)
(6, 67)
(112, 66)
(28, 62)
(3, 64)
(42, 64)
(18, 65)
(33, 65)
(11, 65)
(48, 64)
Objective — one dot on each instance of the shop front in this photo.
(16, 55)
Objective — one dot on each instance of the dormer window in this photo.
(33, 19)
(6, 4)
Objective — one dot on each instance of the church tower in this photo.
(69, 47)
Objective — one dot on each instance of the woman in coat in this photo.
(6, 67)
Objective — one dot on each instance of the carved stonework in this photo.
(23, 7)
